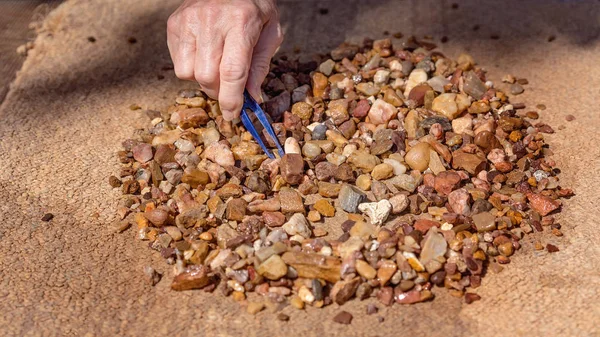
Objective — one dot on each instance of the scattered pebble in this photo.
(471, 297)
(569, 118)
(552, 248)
(343, 317)
(47, 217)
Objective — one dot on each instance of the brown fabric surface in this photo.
(67, 113)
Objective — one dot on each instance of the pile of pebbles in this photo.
(433, 175)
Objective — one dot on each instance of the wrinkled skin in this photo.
(226, 46)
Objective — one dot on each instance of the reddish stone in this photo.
(325, 170)
(273, 219)
(423, 225)
(362, 109)
(446, 182)
(385, 295)
(429, 179)
(542, 204)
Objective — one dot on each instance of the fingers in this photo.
(270, 39)
(207, 60)
(182, 47)
(234, 68)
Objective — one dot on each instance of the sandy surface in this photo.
(67, 112)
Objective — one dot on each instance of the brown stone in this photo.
(193, 277)
(195, 178)
(329, 190)
(342, 291)
(236, 209)
(291, 201)
(470, 162)
(312, 265)
(292, 168)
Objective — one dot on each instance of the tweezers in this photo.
(252, 105)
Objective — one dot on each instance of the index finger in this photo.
(234, 68)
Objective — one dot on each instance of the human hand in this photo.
(226, 46)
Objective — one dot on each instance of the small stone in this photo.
(516, 89)
(273, 268)
(327, 67)
(363, 160)
(399, 203)
(415, 78)
(343, 291)
(329, 190)
(142, 152)
(363, 182)
(297, 303)
(291, 146)
(292, 168)
(376, 211)
(236, 209)
(542, 204)
(470, 162)
(381, 112)
(365, 270)
(195, 178)
(291, 201)
(47, 217)
(311, 265)
(484, 222)
(433, 246)
(318, 132)
(311, 150)
(152, 276)
(343, 317)
(157, 216)
(302, 110)
(324, 208)
(506, 249)
(283, 317)
(459, 201)
(319, 84)
(471, 297)
(446, 182)
(314, 216)
(382, 171)
(450, 105)
(418, 157)
(412, 296)
(193, 277)
(552, 248)
(297, 225)
(473, 86)
(254, 308)
(220, 154)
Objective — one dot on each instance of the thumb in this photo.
(268, 43)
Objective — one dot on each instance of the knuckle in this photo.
(245, 13)
(233, 71)
(172, 23)
(205, 78)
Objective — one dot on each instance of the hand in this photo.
(226, 46)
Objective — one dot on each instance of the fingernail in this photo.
(227, 115)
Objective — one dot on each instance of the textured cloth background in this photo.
(67, 113)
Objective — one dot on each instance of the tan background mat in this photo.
(67, 113)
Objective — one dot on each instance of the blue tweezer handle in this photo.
(252, 105)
